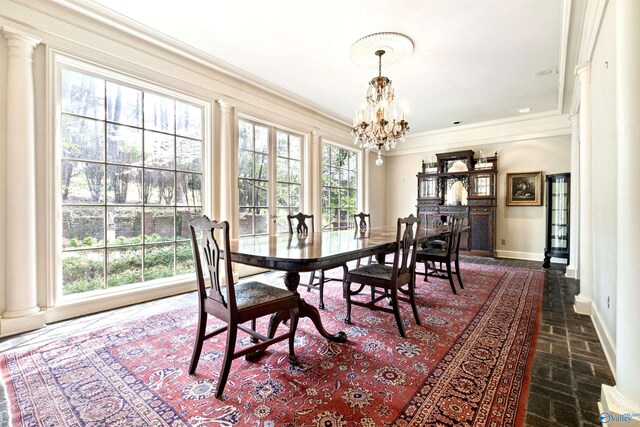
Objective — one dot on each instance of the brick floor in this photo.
(568, 369)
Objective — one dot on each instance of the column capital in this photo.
(315, 137)
(583, 71)
(23, 37)
(575, 119)
(225, 107)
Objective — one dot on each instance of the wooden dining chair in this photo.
(388, 282)
(444, 256)
(362, 222)
(233, 303)
(299, 223)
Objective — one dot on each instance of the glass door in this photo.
(557, 239)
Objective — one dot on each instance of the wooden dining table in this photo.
(294, 254)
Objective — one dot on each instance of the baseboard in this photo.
(572, 272)
(527, 256)
(605, 339)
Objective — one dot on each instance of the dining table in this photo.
(298, 253)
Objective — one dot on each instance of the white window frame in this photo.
(56, 61)
(360, 189)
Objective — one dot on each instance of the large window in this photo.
(269, 168)
(131, 177)
(339, 187)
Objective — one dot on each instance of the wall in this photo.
(522, 227)
(604, 183)
(376, 191)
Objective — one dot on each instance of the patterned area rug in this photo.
(468, 364)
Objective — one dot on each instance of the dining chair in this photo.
(299, 221)
(444, 256)
(233, 303)
(362, 222)
(386, 282)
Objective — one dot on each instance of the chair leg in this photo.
(458, 274)
(232, 332)
(346, 285)
(426, 271)
(412, 299)
(321, 286)
(396, 313)
(293, 324)
(453, 287)
(312, 277)
(253, 327)
(197, 345)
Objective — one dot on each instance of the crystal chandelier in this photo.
(376, 124)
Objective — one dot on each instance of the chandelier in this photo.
(376, 124)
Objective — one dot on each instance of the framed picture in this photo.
(524, 189)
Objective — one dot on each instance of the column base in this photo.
(571, 272)
(616, 410)
(17, 325)
(582, 305)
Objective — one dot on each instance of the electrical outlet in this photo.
(503, 241)
(608, 302)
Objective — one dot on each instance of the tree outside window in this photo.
(339, 187)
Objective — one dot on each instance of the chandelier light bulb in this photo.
(379, 160)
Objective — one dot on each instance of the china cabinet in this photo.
(557, 230)
(461, 183)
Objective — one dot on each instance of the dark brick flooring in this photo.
(569, 365)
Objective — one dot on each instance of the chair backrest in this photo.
(362, 222)
(213, 245)
(455, 223)
(404, 261)
(300, 223)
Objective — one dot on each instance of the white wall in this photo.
(376, 191)
(522, 227)
(604, 182)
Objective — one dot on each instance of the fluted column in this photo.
(574, 218)
(315, 176)
(228, 175)
(21, 306)
(583, 300)
(624, 398)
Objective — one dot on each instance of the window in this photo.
(266, 190)
(339, 187)
(130, 179)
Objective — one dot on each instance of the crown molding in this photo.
(498, 131)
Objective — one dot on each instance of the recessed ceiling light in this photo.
(455, 123)
(524, 110)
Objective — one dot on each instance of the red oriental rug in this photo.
(468, 364)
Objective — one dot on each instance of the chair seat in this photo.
(438, 244)
(432, 252)
(378, 271)
(251, 294)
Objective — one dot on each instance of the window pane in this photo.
(261, 221)
(124, 226)
(159, 113)
(294, 170)
(282, 194)
(282, 143)
(246, 221)
(294, 192)
(245, 164)
(158, 261)
(282, 170)
(261, 139)
(326, 155)
(282, 223)
(158, 150)
(124, 145)
(188, 189)
(82, 95)
(82, 271)
(159, 225)
(339, 186)
(188, 154)
(124, 266)
(262, 166)
(124, 185)
(188, 120)
(82, 182)
(124, 105)
(261, 193)
(294, 147)
(82, 139)
(245, 188)
(82, 226)
(184, 258)
(183, 216)
(245, 135)
(158, 187)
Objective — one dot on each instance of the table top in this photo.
(319, 250)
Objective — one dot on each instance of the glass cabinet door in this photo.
(557, 239)
(482, 185)
(428, 188)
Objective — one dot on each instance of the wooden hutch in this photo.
(459, 183)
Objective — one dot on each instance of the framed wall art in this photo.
(524, 189)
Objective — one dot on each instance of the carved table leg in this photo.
(291, 281)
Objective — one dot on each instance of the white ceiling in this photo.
(473, 61)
